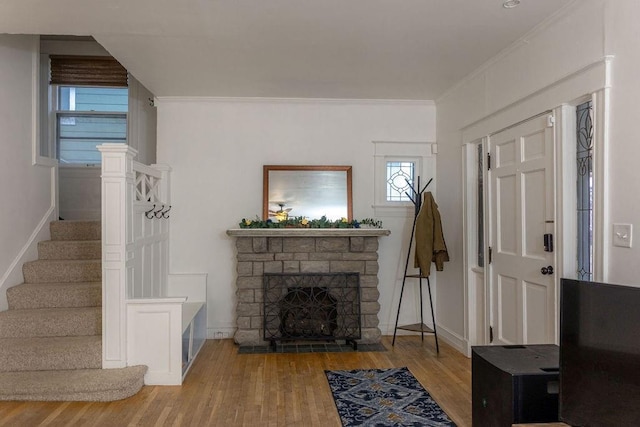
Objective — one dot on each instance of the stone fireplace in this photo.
(296, 250)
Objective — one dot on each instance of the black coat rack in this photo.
(416, 199)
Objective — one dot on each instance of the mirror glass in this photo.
(307, 191)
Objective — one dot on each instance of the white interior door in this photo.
(523, 296)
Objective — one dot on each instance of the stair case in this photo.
(51, 335)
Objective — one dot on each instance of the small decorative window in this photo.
(398, 166)
(400, 179)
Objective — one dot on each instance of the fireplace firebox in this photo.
(311, 306)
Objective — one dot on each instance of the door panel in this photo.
(534, 213)
(509, 308)
(505, 153)
(534, 146)
(537, 317)
(522, 211)
(506, 211)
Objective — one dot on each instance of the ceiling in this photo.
(364, 49)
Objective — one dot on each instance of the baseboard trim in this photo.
(453, 339)
(444, 334)
(220, 332)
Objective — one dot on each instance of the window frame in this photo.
(55, 113)
(43, 148)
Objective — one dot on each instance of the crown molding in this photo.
(329, 101)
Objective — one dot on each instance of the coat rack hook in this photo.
(149, 213)
(158, 213)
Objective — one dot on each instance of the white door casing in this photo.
(523, 299)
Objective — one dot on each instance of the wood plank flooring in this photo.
(224, 388)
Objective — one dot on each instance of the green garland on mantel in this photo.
(302, 222)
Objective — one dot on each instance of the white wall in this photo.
(622, 40)
(217, 149)
(79, 192)
(523, 80)
(79, 186)
(142, 122)
(25, 190)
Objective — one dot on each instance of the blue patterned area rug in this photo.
(384, 397)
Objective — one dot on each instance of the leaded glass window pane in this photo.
(584, 158)
(400, 178)
(480, 222)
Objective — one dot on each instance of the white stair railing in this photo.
(151, 212)
(146, 318)
(135, 242)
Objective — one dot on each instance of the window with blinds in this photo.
(92, 100)
(87, 71)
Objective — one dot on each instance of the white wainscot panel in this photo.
(112, 295)
(508, 306)
(154, 332)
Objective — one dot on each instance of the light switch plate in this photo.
(622, 235)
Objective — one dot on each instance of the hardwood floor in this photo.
(224, 388)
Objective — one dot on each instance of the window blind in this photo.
(87, 71)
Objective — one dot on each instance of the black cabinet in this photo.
(514, 384)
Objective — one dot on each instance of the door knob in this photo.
(547, 270)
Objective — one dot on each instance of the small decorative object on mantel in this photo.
(302, 222)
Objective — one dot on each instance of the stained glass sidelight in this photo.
(584, 158)
(480, 214)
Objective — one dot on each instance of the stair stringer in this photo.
(13, 275)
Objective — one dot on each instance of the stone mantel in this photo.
(308, 232)
(304, 250)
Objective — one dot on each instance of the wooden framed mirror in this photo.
(306, 191)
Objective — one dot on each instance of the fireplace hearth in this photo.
(311, 306)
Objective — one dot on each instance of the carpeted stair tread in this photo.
(70, 249)
(75, 230)
(54, 322)
(55, 295)
(50, 353)
(72, 385)
(50, 338)
(46, 270)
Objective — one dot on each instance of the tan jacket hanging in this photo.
(430, 245)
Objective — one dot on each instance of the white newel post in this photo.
(117, 198)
